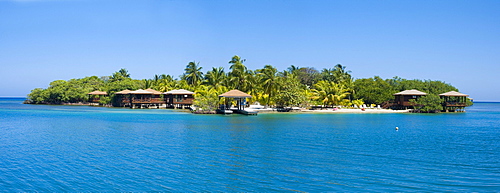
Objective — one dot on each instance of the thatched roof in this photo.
(235, 94)
(453, 93)
(126, 91)
(411, 92)
(179, 91)
(155, 92)
(98, 93)
(140, 91)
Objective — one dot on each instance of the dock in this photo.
(246, 112)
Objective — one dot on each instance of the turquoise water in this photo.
(79, 148)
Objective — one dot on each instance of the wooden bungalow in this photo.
(95, 96)
(157, 97)
(179, 98)
(122, 98)
(454, 101)
(240, 98)
(402, 99)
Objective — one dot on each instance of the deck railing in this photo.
(455, 104)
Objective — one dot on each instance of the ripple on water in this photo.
(60, 148)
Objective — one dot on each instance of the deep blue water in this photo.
(79, 148)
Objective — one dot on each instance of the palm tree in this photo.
(215, 77)
(123, 72)
(238, 74)
(340, 74)
(193, 74)
(329, 93)
(268, 80)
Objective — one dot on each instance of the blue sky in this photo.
(454, 41)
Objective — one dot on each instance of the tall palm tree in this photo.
(340, 74)
(268, 80)
(193, 74)
(123, 72)
(238, 74)
(215, 77)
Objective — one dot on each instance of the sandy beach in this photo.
(352, 111)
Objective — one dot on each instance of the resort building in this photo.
(122, 98)
(95, 96)
(454, 101)
(240, 98)
(179, 98)
(157, 97)
(145, 99)
(402, 99)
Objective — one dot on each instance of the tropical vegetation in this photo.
(294, 86)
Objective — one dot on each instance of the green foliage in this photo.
(38, 96)
(469, 102)
(427, 86)
(373, 90)
(291, 93)
(358, 102)
(293, 86)
(193, 74)
(430, 103)
(329, 93)
(307, 76)
(207, 97)
(269, 81)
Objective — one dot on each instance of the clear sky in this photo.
(454, 41)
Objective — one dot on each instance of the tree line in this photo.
(294, 86)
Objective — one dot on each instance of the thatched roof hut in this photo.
(155, 92)
(454, 93)
(411, 92)
(126, 91)
(235, 94)
(402, 99)
(140, 91)
(179, 91)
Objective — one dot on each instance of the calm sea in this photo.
(78, 148)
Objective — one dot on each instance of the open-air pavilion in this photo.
(454, 101)
(95, 96)
(240, 98)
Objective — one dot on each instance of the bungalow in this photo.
(122, 98)
(402, 99)
(179, 98)
(95, 96)
(454, 101)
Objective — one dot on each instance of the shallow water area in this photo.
(80, 148)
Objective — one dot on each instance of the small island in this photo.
(264, 90)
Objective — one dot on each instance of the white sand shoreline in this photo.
(349, 111)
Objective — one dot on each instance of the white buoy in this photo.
(397, 128)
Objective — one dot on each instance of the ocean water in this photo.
(77, 148)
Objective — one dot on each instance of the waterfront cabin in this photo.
(240, 98)
(140, 98)
(179, 98)
(402, 99)
(454, 101)
(95, 96)
(122, 98)
(156, 98)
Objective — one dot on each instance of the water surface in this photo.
(79, 148)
